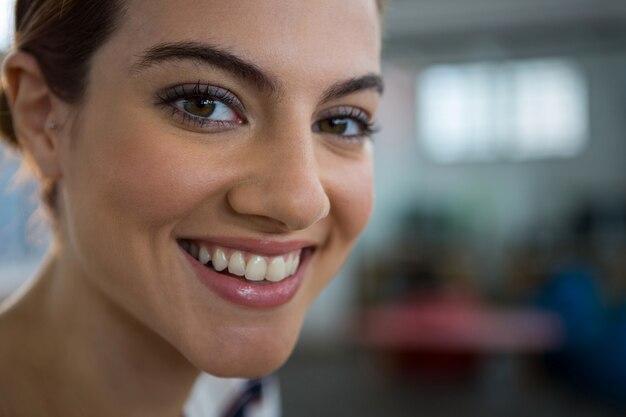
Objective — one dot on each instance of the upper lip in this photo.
(260, 246)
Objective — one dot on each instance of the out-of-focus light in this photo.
(512, 110)
(6, 24)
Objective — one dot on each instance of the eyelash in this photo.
(169, 96)
(369, 127)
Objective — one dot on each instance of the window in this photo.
(6, 23)
(511, 110)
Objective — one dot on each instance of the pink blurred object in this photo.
(458, 324)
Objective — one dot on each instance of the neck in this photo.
(95, 357)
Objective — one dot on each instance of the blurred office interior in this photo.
(491, 280)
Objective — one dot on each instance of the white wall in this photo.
(502, 200)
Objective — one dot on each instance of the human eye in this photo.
(347, 123)
(202, 106)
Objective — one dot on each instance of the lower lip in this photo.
(263, 294)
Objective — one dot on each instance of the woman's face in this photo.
(238, 127)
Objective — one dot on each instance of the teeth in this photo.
(237, 264)
(276, 270)
(204, 256)
(255, 271)
(220, 262)
(288, 265)
(295, 264)
(257, 267)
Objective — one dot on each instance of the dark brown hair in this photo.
(63, 35)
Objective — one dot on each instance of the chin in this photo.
(249, 363)
(243, 356)
(246, 367)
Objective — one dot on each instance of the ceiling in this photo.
(432, 18)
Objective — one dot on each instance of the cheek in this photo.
(147, 175)
(349, 185)
(352, 198)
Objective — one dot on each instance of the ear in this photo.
(31, 103)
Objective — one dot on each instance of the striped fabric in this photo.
(250, 397)
(232, 397)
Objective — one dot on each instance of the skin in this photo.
(117, 323)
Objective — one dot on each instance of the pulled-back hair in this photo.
(63, 36)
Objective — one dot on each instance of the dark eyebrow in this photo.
(247, 71)
(344, 88)
(206, 54)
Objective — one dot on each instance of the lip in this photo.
(263, 294)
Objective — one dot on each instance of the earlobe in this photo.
(31, 102)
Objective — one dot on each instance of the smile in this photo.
(257, 274)
(251, 266)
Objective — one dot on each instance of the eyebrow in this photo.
(247, 71)
(372, 82)
(206, 54)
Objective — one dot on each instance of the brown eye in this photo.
(207, 109)
(201, 107)
(344, 123)
(335, 126)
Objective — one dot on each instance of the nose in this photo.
(284, 191)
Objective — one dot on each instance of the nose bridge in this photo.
(296, 179)
(286, 185)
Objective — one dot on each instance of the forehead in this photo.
(334, 38)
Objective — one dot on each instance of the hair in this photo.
(63, 35)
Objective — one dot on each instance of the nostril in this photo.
(270, 225)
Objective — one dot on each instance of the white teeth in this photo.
(204, 256)
(193, 250)
(220, 262)
(255, 270)
(295, 264)
(288, 265)
(276, 270)
(237, 264)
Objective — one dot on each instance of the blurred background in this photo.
(492, 278)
